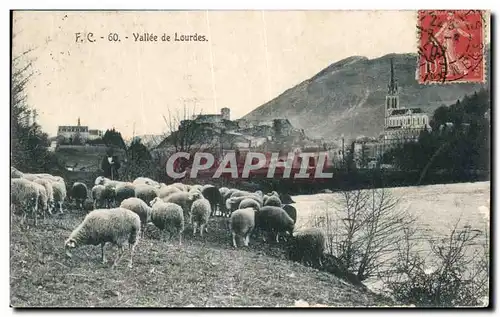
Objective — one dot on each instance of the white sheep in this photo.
(200, 213)
(47, 184)
(101, 180)
(181, 186)
(140, 208)
(239, 193)
(167, 217)
(146, 181)
(273, 201)
(185, 200)
(117, 226)
(146, 192)
(241, 223)
(59, 192)
(166, 191)
(233, 202)
(249, 203)
(124, 191)
(103, 196)
(266, 196)
(58, 187)
(97, 196)
(43, 199)
(24, 195)
(50, 177)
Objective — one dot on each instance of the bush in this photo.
(456, 273)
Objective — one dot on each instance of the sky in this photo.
(249, 58)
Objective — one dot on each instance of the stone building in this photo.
(69, 133)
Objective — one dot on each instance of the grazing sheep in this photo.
(146, 181)
(239, 193)
(146, 192)
(225, 194)
(50, 177)
(117, 226)
(47, 184)
(249, 203)
(59, 192)
(200, 212)
(166, 191)
(124, 191)
(307, 246)
(291, 211)
(233, 202)
(241, 223)
(274, 220)
(79, 193)
(185, 200)
(58, 189)
(24, 195)
(98, 196)
(29, 176)
(43, 200)
(140, 208)
(267, 196)
(103, 196)
(101, 180)
(167, 217)
(213, 195)
(180, 186)
(273, 201)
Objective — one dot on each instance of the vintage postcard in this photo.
(250, 158)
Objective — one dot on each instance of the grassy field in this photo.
(201, 272)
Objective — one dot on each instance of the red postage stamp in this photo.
(451, 46)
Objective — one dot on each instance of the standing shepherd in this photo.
(110, 165)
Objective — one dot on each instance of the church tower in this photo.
(392, 97)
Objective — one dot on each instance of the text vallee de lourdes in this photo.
(176, 37)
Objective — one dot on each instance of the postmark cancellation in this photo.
(451, 46)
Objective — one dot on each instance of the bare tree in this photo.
(363, 228)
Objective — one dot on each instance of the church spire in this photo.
(393, 87)
(78, 121)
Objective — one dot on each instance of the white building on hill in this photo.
(69, 133)
(400, 123)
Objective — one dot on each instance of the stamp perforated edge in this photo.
(486, 15)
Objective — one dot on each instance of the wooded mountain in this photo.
(348, 97)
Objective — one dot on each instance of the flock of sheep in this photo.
(122, 210)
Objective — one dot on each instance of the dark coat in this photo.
(106, 167)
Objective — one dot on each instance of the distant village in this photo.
(223, 134)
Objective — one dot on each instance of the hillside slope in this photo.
(202, 272)
(348, 96)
